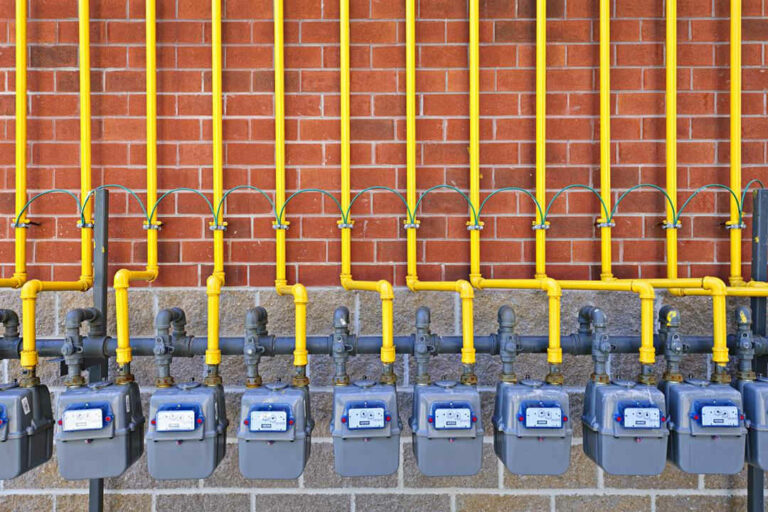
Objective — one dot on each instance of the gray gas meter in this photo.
(531, 428)
(625, 427)
(755, 396)
(26, 428)
(275, 431)
(100, 430)
(447, 429)
(707, 430)
(187, 431)
(366, 429)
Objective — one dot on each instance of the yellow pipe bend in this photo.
(300, 299)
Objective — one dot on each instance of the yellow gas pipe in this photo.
(215, 281)
(21, 223)
(123, 277)
(32, 288)
(462, 287)
(297, 291)
(541, 282)
(382, 287)
(734, 224)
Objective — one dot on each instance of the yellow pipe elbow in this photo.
(647, 297)
(554, 293)
(718, 290)
(213, 290)
(29, 292)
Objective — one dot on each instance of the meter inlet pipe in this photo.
(215, 281)
(123, 277)
(31, 289)
(297, 291)
(21, 223)
(382, 287)
(541, 281)
(462, 287)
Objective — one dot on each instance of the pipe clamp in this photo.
(411, 225)
(277, 226)
(610, 224)
(20, 225)
(541, 227)
(474, 227)
(735, 225)
(88, 225)
(670, 225)
(146, 226)
(218, 227)
(346, 225)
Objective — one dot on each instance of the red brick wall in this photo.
(378, 133)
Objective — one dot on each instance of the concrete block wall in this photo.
(319, 488)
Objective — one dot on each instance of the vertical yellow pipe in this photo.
(541, 136)
(735, 278)
(474, 133)
(86, 233)
(410, 143)
(216, 280)
(671, 125)
(20, 270)
(605, 136)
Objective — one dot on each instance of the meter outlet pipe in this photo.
(541, 281)
(462, 287)
(382, 287)
(21, 223)
(297, 291)
(123, 277)
(31, 289)
(215, 281)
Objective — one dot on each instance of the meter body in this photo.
(26, 429)
(275, 431)
(532, 428)
(625, 430)
(100, 431)
(447, 429)
(366, 429)
(707, 428)
(186, 437)
(755, 397)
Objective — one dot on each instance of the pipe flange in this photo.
(124, 378)
(647, 379)
(747, 376)
(469, 379)
(555, 379)
(541, 227)
(86, 225)
(735, 225)
(212, 380)
(600, 378)
(509, 377)
(388, 379)
(671, 225)
(605, 224)
(164, 382)
(253, 382)
(673, 377)
(77, 381)
(20, 225)
(155, 226)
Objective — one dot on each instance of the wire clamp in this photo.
(610, 224)
(217, 227)
(541, 227)
(147, 226)
(86, 225)
(416, 224)
(20, 225)
(735, 225)
(474, 227)
(671, 225)
(345, 225)
(278, 226)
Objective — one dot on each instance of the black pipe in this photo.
(10, 321)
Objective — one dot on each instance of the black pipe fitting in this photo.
(10, 321)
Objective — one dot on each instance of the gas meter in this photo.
(755, 396)
(447, 429)
(706, 421)
(366, 429)
(187, 431)
(275, 431)
(26, 428)
(532, 429)
(625, 430)
(100, 430)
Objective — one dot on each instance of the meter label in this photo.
(720, 416)
(366, 417)
(642, 417)
(82, 419)
(268, 421)
(543, 417)
(447, 419)
(175, 421)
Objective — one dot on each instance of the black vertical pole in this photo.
(755, 476)
(98, 369)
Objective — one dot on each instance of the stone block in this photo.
(488, 477)
(303, 502)
(612, 503)
(228, 475)
(671, 478)
(112, 502)
(489, 503)
(581, 474)
(402, 502)
(202, 502)
(698, 503)
(319, 472)
(16, 503)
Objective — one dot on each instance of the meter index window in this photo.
(74, 420)
(459, 418)
(720, 416)
(175, 421)
(268, 421)
(642, 417)
(366, 417)
(543, 417)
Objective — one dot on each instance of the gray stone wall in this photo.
(319, 488)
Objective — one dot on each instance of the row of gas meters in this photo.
(629, 428)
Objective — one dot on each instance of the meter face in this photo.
(453, 419)
(82, 419)
(720, 416)
(543, 417)
(268, 421)
(642, 417)
(366, 417)
(175, 421)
